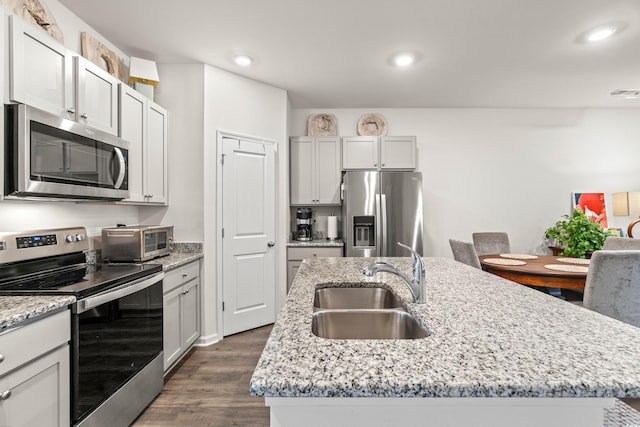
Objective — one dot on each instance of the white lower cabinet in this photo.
(295, 255)
(181, 317)
(35, 374)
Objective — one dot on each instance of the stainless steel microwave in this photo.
(50, 156)
(136, 243)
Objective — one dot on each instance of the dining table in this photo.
(539, 270)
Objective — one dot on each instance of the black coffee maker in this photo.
(303, 225)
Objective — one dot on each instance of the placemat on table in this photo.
(502, 261)
(519, 256)
(567, 268)
(575, 260)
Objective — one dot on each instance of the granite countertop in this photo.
(175, 260)
(315, 243)
(17, 309)
(489, 338)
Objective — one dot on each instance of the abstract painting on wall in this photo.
(593, 205)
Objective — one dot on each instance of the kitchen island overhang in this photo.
(490, 339)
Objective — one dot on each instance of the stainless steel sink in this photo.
(366, 324)
(355, 298)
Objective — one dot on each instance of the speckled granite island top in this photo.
(489, 338)
(18, 309)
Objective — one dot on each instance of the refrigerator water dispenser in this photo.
(364, 233)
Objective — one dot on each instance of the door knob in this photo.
(271, 243)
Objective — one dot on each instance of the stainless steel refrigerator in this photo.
(380, 209)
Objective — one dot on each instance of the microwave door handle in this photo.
(121, 167)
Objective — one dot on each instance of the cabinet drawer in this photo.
(180, 276)
(302, 253)
(22, 344)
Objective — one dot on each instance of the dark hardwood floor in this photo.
(210, 386)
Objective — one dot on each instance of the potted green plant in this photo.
(577, 235)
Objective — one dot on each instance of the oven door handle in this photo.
(116, 293)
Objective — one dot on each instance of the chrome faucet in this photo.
(417, 284)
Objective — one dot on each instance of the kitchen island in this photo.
(497, 353)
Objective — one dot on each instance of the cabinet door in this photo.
(190, 313)
(398, 152)
(172, 327)
(39, 392)
(292, 270)
(328, 172)
(301, 158)
(96, 97)
(155, 154)
(41, 71)
(360, 152)
(132, 121)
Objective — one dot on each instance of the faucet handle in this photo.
(418, 264)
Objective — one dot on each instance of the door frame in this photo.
(220, 135)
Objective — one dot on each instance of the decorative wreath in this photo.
(322, 125)
(372, 125)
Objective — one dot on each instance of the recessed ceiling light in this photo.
(404, 59)
(243, 60)
(602, 32)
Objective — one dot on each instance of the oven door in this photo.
(115, 335)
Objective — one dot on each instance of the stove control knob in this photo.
(70, 238)
(80, 237)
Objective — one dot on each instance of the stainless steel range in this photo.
(116, 326)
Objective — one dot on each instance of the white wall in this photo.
(508, 170)
(242, 106)
(182, 93)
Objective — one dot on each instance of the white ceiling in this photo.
(335, 53)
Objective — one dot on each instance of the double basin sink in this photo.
(362, 313)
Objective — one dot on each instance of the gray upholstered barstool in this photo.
(491, 243)
(613, 285)
(464, 252)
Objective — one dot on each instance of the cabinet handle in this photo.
(271, 243)
(383, 164)
(84, 115)
(184, 275)
(1, 357)
(5, 395)
(375, 164)
(71, 111)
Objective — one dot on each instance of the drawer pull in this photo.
(5, 395)
(1, 357)
(184, 275)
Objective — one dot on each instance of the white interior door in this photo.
(248, 222)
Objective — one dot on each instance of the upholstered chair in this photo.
(613, 285)
(464, 252)
(616, 243)
(491, 243)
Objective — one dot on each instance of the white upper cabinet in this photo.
(315, 170)
(379, 153)
(144, 124)
(398, 152)
(96, 97)
(47, 76)
(41, 73)
(360, 152)
(133, 119)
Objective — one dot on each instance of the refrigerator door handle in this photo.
(378, 234)
(384, 224)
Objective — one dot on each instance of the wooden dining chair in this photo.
(491, 243)
(613, 285)
(464, 252)
(612, 243)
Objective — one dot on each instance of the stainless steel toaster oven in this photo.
(136, 243)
